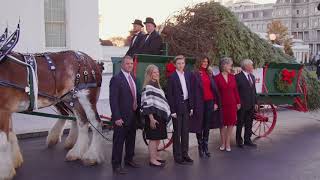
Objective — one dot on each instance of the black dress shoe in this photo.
(162, 165)
(187, 159)
(240, 145)
(250, 144)
(181, 162)
(162, 161)
(132, 164)
(119, 170)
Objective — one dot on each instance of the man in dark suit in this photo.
(137, 38)
(124, 104)
(152, 43)
(180, 101)
(247, 91)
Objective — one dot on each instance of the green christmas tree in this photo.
(212, 29)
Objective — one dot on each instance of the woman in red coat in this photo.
(230, 101)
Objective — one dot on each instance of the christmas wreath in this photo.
(284, 80)
(170, 68)
(167, 71)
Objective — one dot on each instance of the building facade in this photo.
(302, 19)
(300, 16)
(53, 25)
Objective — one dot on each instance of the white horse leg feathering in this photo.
(72, 136)
(82, 143)
(7, 170)
(55, 133)
(34, 79)
(96, 153)
(15, 150)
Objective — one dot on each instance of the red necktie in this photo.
(131, 84)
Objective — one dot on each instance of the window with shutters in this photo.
(55, 23)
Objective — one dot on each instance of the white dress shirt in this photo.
(183, 84)
(246, 74)
(134, 38)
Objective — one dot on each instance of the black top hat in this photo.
(150, 20)
(138, 22)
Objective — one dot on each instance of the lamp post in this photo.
(272, 37)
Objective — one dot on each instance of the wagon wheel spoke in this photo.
(257, 129)
(260, 129)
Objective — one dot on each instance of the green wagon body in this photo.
(270, 97)
(142, 61)
(270, 94)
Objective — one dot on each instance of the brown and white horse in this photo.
(57, 84)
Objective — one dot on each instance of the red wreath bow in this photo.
(288, 76)
(170, 68)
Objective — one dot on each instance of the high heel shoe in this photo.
(155, 165)
(228, 149)
(222, 148)
(161, 161)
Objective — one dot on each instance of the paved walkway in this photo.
(291, 152)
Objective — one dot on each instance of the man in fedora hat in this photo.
(152, 43)
(137, 38)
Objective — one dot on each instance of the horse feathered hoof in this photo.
(72, 158)
(18, 161)
(10, 176)
(68, 146)
(89, 162)
(52, 142)
(73, 155)
(54, 136)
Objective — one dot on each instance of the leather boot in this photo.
(200, 145)
(205, 143)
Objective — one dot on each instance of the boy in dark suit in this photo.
(124, 104)
(180, 101)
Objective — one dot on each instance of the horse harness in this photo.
(81, 79)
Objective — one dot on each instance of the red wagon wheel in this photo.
(165, 143)
(264, 120)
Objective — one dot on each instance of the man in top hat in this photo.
(137, 38)
(152, 43)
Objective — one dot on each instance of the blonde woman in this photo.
(156, 112)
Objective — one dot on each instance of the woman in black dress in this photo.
(156, 112)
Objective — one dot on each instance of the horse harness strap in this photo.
(51, 65)
(81, 79)
(82, 83)
(80, 56)
(32, 88)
